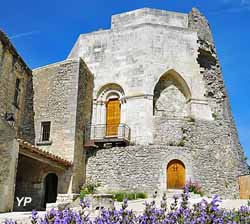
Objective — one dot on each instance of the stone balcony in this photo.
(103, 135)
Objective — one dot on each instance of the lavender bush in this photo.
(178, 212)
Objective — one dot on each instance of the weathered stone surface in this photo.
(9, 154)
(136, 53)
(27, 128)
(143, 168)
(12, 67)
(199, 23)
(63, 96)
(164, 69)
(175, 102)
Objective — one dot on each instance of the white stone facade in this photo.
(142, 47)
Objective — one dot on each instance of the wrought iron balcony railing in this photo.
(111, 133)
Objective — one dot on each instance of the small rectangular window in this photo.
(17, 92)
(45, 131)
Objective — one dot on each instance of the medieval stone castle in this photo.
(141, 106)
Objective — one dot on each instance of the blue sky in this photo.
(44, 32)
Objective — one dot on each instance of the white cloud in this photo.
(233, 6)
(245, 2)
(19, 35)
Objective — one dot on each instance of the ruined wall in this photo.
(216, 93)
(12, 67)
(63, 96)
(204, 138)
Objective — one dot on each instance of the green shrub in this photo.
(141, 195)
(89, 187)
(120, 196)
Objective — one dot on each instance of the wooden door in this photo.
(244, 182)
(113, 117)
(175, 175)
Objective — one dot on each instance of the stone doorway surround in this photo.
(186, 159)
(33, 166)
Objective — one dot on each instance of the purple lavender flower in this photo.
(200, 213)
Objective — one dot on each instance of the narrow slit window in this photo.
(17, 93)
(45, 131)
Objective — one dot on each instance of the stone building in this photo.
(28, 168)
(158, 83)
(141, 106)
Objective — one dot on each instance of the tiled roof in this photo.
(44, 153)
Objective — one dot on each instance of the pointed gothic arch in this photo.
(171, 94)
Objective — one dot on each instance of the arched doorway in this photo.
(51, 181)
(175, 174)
(113, 117)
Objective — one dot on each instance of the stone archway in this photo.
(109, 107)
(175, 174)
(50, 184)
(171, 94)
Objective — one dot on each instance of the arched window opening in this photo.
(171, 94)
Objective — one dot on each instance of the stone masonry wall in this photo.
(141, 47)
(55, 100)
(12, 67)
(63, 96)
(216, 93)
(136, 52)
(27, 129)
(83, 119)
(9, 154)
(206, 149)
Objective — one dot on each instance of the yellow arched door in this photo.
(113, 114)
(175, 175)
